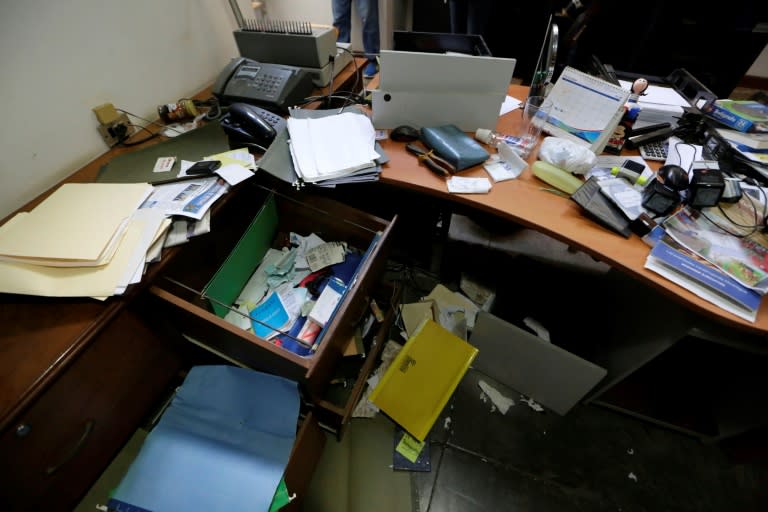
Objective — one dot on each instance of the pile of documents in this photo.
(333, 149)
(95, 239)
(658, 104)
(85, 239)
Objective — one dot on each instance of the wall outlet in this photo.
(115, 131)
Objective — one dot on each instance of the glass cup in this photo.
(535, 112)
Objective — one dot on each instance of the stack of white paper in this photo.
(86, 239)
(332, 147)
(658, 105)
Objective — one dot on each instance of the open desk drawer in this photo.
(207, 275)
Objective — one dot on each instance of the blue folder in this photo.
(222, 445)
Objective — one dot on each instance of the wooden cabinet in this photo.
(108, 374)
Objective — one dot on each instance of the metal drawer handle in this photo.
(75, 449)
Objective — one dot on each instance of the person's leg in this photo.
(368, 10)
(458, 14)
(342, 19)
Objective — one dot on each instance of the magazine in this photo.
(685, 268)
(728, 236)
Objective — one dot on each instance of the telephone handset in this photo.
(250, 124)
(272, 86)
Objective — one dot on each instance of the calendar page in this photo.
(586, 109)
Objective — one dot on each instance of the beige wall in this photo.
(60, 59)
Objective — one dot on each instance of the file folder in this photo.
(422, 378)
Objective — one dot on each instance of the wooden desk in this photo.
(523, 202)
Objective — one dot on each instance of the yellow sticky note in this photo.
(409, 447)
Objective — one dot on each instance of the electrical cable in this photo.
(152, 135)
(150, 122)
(753, 228)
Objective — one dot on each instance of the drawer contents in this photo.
(282, 290)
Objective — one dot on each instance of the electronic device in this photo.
(271, 86)
(662, 194)
(404, 133)
(656, 150)
(732, 191)
(203, 168)
(635, 141)
(706, 188)
(249, 124)
(293, 43)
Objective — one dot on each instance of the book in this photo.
(422, 377)
(745, 141)
(740, 115)
(685, 268)
(727, 237)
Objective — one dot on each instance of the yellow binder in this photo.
(422, 377)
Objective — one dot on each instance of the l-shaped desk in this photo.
(523, 201)
(664, 323)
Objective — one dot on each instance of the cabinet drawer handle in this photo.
(75, 449)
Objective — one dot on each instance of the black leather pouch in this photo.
(454, 146)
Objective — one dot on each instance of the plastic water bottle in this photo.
(494, 138)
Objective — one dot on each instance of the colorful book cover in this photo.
(727, 237)
(741, 115)
(423, 376)
(688, 270)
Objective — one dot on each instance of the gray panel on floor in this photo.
(545, 372)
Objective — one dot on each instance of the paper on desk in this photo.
(153, 221)
(505, 165)
(462, 185)
(191, 198)
(659, 95)
(97, 282)
(234, 173)
(332, 146)
(509, 105)
(683, 154)
(239, 156)
(76, 225)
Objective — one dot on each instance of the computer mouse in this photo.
(673, 176)
(404, 133)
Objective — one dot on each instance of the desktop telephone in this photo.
(249, 124)
(272, 86)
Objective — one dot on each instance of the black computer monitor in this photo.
(438, 42)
